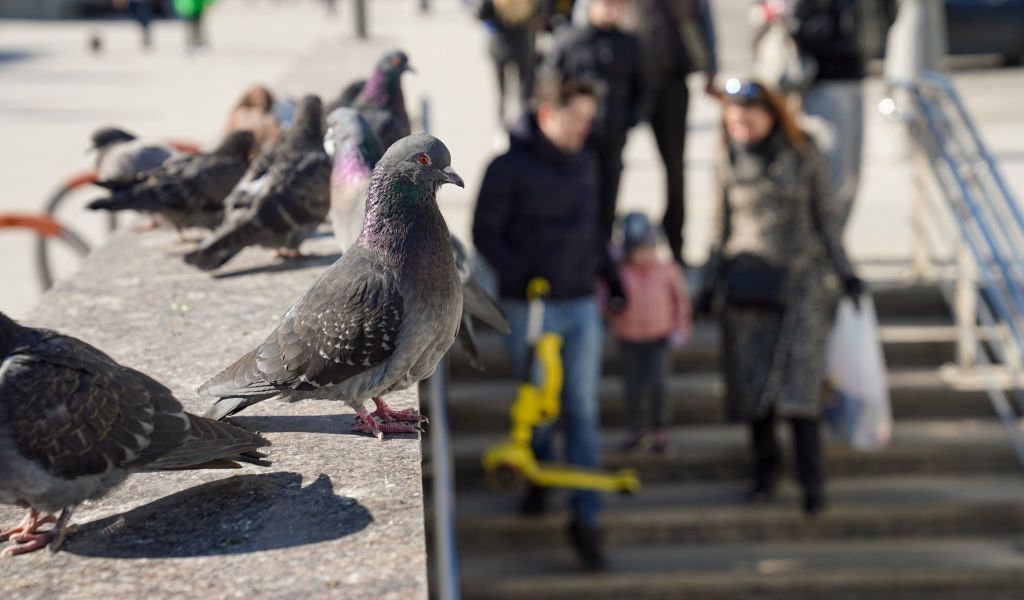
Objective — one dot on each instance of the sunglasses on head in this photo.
(743, 92)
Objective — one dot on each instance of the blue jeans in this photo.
(579, 324)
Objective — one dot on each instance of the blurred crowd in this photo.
(585, 73)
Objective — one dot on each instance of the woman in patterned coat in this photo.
(770, 281)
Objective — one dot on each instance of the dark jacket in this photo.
(537, 216)
(609, 60)
(841, 35)
(677, 37)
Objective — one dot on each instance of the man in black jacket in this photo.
(537, 216)
(609, 59)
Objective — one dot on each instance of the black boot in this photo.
(586, 540)
(814, 501)
(535, 501)
(760, 493)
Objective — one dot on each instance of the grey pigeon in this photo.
(476, 302)
(377, 320)
(187, 190)
(284, 204)
(355, 150)
(122, 157)
(380, 99)
(74, 424)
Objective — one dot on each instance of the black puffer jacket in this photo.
(610, 60)
(537, 216)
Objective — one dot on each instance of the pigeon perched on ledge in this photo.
(476, 302)
(187, 190)
(282, 206)
(121, 157)
(355, 151)
(380, 99)
(380, 318)
(74, 424)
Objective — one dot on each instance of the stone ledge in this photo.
(336, 515)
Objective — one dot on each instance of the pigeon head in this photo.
(348, 132)
(420, 159)
(394, 63)
(238, 143)
(308, 119)
(109, 135)
(384, 84)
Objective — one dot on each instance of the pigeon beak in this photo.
(408, 68)
(450, 176)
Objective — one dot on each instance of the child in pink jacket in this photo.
(657, 316)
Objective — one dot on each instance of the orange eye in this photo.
(423, 159)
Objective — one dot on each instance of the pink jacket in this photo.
(658, 303)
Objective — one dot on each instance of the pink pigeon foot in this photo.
(149, 225)
(28, 525)
(289, 253)
(386, 414)
(367, 424)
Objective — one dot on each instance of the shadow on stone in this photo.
(248, 513)
(330, 424)
(306, 262)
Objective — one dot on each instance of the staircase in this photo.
(939, 514)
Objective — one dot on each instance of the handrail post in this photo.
(922, 259)
(965, 308)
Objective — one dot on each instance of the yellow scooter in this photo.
(508, 465)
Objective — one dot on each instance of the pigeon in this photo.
(188, 190)
(476, 302)
(380, 99)
(355, 151)
(122, 157)
(74, 424)
(377, 320)
(285, 203)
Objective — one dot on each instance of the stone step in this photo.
(894, 569)
(906, 343)
(483, 404)
(721, 452)
(488, 523)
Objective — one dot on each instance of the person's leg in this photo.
(834, 115)
(809, 468)
(668, 120)
(657, 372)
(581, 357)
(609, 158)
(766, 455)
(634, 393)
(581, 354)
(525, 60)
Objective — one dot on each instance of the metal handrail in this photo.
(986, 292)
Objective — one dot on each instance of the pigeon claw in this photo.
(388, 415)
(28, 525)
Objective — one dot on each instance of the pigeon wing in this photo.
(79, 413)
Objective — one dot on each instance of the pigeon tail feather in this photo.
(223, 247)
(211, 441)
(477, 302)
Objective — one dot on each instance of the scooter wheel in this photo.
(506, 478)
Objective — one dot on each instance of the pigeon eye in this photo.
(423, 159)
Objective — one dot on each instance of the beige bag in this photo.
(779, 64)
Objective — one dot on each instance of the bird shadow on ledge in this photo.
(330, 424)
(291, 264)
(237, 515)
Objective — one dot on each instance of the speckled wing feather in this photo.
(75, 412)
(347, 323)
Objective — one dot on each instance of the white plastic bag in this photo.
(858, 409)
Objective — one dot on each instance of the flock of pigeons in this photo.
(74, 423)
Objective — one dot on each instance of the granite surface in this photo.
(337, 515)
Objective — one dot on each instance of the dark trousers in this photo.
(644, 368)
(514, 48)
(670, 102)
(609, 164)
(767, 456)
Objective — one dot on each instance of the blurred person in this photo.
(841, 36)
(192, 12)
(511, 23)
(537, 216)
(607, 57)
(142, 12)
(656, 318)
(776, 243)
(677, 38)
(255, 112)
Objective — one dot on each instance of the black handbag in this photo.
(751, 282)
